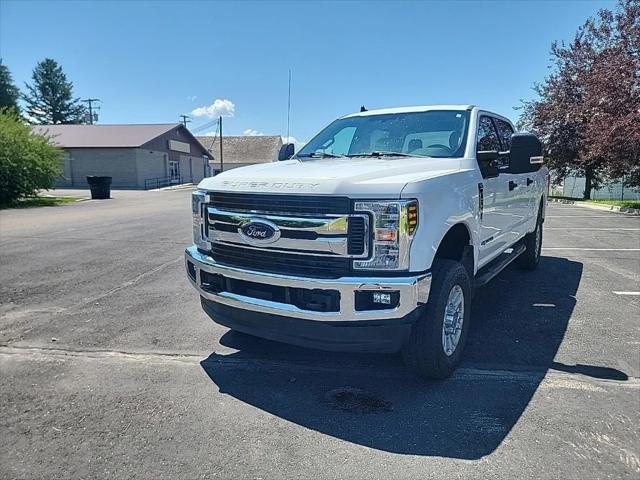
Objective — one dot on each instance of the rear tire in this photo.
(530, 259)
(439, 335)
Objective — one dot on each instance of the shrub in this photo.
(28, 162)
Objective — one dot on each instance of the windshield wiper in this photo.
(318, 155)
(383, 154)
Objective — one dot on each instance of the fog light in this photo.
(383, 298)
(376, 300)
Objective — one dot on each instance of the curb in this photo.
(593, 206)
(78, 199)
(172, 188)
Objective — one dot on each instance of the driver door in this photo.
(497, 217)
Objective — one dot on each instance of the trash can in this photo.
(100, 187)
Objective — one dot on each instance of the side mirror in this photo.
(488, 162)
(286, 151)
(526, 153)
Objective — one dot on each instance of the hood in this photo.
(355, 177)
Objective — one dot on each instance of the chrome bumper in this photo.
(414, 291)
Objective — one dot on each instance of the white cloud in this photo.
(250, 132)
(219, 107)
(192, 98)
(212, 133)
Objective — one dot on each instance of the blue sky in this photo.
(151, 61)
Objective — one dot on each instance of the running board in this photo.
(486, 273)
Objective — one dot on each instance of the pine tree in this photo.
(9, 93)
(50, 98)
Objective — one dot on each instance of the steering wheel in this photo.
(438, 145)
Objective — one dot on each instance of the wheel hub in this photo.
(453, 320)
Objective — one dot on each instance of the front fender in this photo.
(443, 202)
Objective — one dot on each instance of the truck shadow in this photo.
(519, 321)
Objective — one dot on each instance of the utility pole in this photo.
(90, 102)
(221, 162)
(185, 119)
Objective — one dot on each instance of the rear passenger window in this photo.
(487, 136)
(504, 132)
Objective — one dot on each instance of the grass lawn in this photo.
(41, 202)
(617, 203)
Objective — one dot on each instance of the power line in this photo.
(214, 136)
(205, 126)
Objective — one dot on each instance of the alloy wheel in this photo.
(453, 319)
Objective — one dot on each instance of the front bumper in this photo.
(413, 291)
(346, 329)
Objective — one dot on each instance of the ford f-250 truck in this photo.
(374, 236)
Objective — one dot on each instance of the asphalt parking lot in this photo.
(108, 367)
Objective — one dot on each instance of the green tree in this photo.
(588, 109)
(28, 162)
(9, 93)
(50, 98)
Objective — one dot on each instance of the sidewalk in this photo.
(595, 206)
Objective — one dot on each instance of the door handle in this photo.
(529, 181)
(512, 185)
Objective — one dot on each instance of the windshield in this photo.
(435, 133)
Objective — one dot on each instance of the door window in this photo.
(487, 136)
(504, 132)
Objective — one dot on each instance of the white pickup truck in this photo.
(374, 236)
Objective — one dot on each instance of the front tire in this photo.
(439, 335)
(530, 258)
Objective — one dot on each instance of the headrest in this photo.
(414, 144)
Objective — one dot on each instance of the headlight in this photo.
(198, 199)
(393, 226)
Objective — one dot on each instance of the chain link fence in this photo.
(573, 187)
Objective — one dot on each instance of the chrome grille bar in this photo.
(321, 235)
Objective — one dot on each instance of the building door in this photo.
(174, 172)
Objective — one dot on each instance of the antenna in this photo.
(221, 161)
(289, 108)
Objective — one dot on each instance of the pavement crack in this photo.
(126, 284)
(555, 379)
(116, 354)
(49, 238)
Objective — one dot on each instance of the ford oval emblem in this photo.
(259, 231)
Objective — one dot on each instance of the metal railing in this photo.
(161, 182)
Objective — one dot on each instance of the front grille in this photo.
(299, 234)
(281, 263)
(356, 241)
(282, 204)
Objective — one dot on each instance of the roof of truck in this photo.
(420, 108)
